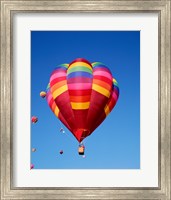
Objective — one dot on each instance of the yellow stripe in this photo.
(82, 64)
(107, 111)
(56, 111)
(101, 90)
(58, 85)
(59, 91)
(80, 106)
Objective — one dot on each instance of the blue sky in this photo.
(115, 144)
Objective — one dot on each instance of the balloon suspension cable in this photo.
(81, 144)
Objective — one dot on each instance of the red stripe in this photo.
(102, 84)
(80, 92)
(80, 98)
(54, 81)
(112, 101)
(79, 80)
(80, 60)
(103, 78)
(51, 102)
(111, 104)
(101, 69)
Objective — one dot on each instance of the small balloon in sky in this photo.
(61, 152)
(84, 156)
(62, 130)
(33, 149)
(31, 166)
(43, 94)
(34, 119)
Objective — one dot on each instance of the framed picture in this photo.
(53, 146)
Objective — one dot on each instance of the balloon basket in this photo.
(81, 150)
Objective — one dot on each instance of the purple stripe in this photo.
(79, 74)
(79, 80)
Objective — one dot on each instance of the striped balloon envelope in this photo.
(81, 94)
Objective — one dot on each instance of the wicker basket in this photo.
(81, 150)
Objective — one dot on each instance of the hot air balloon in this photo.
(61, 152)
(62, 130)
(81, 94)
(43, 94)
(33, 149)
(31, 166)
(34, 119)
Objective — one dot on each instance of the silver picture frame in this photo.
(8, 10)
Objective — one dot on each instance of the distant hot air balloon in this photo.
(81, 94)
(43, 94)
(31, 166)
(62, 130)
(61, 152)
(34, 119)
(33, 149)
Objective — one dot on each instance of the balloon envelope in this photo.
(31, 166)
(43, 94)
(33, 149)
(81, 94)
(61, 152)
(34, 119)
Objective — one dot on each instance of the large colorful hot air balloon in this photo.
(81, 94)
